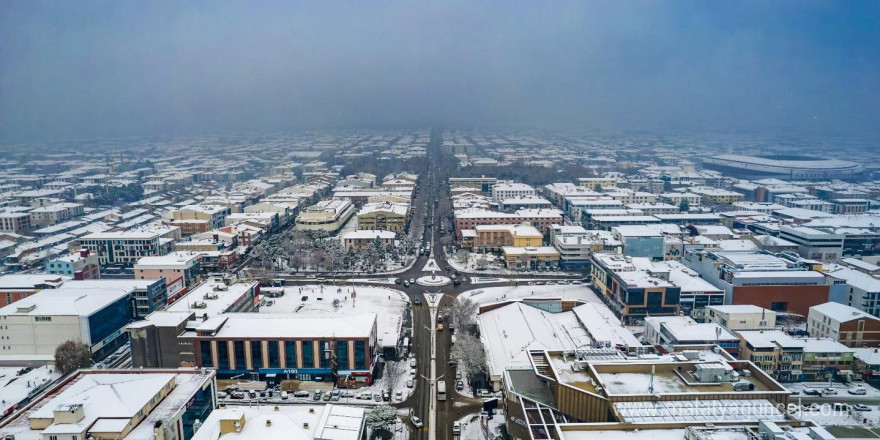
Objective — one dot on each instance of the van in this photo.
(743, 386)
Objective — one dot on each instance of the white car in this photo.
(412, 362)
(858, 391)
(456, 427)
(410, 383)
(417, 422)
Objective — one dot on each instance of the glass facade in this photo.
(222, 355)
(238, 347)
(325, 360)
(290, 353)
(274, 359)
(201, 406)
(342, 355)
(256, 355)
(308, 354)
(360, 355)
(206, 354)
(108, 320)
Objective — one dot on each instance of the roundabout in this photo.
(433, 280)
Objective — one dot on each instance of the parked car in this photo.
(237, 395)
(385, 396)
(809, 392)
(284, 395)
(365, 396)
(456, 427)
(410, 383)
(301, 393)
(327, 397)
(377, 397)
(317, 396)
(484, 393)
(398, 395)
(417, 422)
(829, 392)
(222, 395)
(412, 362)
(459, 385)
(857, 391)
(861, 407)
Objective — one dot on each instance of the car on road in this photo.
(406, 284)
(829, 392)
(809, 392)
(398, 281)
(459, 385)
(417, 302)
(456, 427)
(484, 393)
(857, 391)
(439, 327)
(860, 407)
(417, 422)
(412, 281)
(410, 383)
(457, 375)
(304, 298)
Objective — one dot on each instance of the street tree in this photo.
(393, 371)
(463, 313)
(380, 422)
(71, 356)
(469, 350)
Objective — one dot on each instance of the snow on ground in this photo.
(825, 415)
(494, 266)
(399, 384)
(379, 280)
(870, 392)
(496, 294)
(350, 226)
(387, 304)
(476, 427)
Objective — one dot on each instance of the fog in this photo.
(98, 69)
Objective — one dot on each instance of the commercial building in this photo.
(363, 239)
(291, 422)
(632, 292)
(302, 347)
(18, 286)
(783, 167)
(675, 333)
(760, 279)
(327, 215)
(814, 244)
(501, 191)
(575, 250)
(741, 317)
(156, 341)
(180, 270)
(494, 237)
(93, 311)
(530, 257)
(385, 216)
(847, 325)
(127, 247)
(854, 288)
(543, 219)
(774, 352)
(512, 204)
(118, 404)
(82, 265)
(640, 241)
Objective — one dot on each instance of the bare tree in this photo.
(393, 371)
(463, 313)
(469, 350)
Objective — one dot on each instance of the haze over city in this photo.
(596, 220)
(104, 69)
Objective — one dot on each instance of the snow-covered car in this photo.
(398, 395)
(861, 407)
(456, 427)
(858, 391)
(829, 392)
(365, 396)
(484, 393)
(410, 383)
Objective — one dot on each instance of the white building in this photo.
(736, 317)
(501, 191)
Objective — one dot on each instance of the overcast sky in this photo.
(75, 69)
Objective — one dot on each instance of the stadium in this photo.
(782, 167)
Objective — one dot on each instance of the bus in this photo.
(441, 390)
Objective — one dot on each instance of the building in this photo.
(787, 167)
(55, 213)
(854, 288)
(118, 404)
(494, 237)
(18, 286)
(82, 265)
(212, 215)
(327, 215)
(640, 241)
(696, 294)
(774, 352)
(741, 317)
(127, 247)
(180, 270)
(575, 250)
(512, 204)
(155, 340)
(363, 239)
(501, 191)
(631, 292)
(530, 257)
(17, 222)
(814, 244)
(677, 332)
(847, 325)
(760, 279)
(302, 347)
(717, 195)
(543, 219)
(385, 216)
(93, 311)
(292, 422)
(824, 358)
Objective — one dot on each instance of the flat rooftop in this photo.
(205, 300)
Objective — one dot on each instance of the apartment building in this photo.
(631, 292)
(212, 214)
(17, 222)
(81, 265)
(847, 325)
(180, 269)
(126, 247)
(501, 191)
(543, 219)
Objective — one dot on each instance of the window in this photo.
(290, 354)
(308, 354)
(43, 318)
(274, 360)
(360, 355)
(256, 355)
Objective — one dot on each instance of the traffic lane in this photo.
(445, 413)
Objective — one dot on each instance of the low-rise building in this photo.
(180, 269)
(385, 216)
(363, 239)
(631, 292)
(494, 237)
(640, 241)
(17, 222)
(741, 317)
(677, 332)
(327, 215)
(82, 265)
(296, 422)
(18, 286)
(813, 243)
(118, 404)
(213, 215)
(774, 352)
(847, 325)
(530, 257)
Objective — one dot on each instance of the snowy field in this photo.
(496, 294)
(387, 304)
